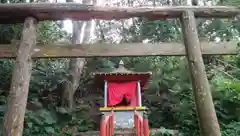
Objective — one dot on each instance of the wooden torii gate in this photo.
(23, 52)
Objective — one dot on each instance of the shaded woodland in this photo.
(56, 107)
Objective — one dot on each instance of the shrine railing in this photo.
(141, 124)
(138, 123)
(107, 125)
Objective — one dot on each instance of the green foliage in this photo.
(41, 122)
(51, 33)
(232, 129)
(166, 132)
(169, 96)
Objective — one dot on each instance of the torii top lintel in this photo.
(121, 74)
(11, 13)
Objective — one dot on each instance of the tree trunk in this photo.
(81, 34)
(14, 116)
(205, 108)
(75, 67)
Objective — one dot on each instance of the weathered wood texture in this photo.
(14, 116)
(108, 50)
(16, 13)
(204, 104)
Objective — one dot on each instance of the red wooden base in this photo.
(145, 128)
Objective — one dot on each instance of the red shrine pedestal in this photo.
(123, 108)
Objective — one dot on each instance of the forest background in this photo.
(169, 96)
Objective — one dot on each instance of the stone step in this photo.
(117, 132)
(125, 132)
(120, 132)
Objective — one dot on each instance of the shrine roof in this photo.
(121, 74)
(121, 70)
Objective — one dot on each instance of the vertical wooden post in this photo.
(105, 93)
(205, 108)
(103, 128)
(17, 99)
(139, 94)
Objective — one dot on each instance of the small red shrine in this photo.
(123, 108)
